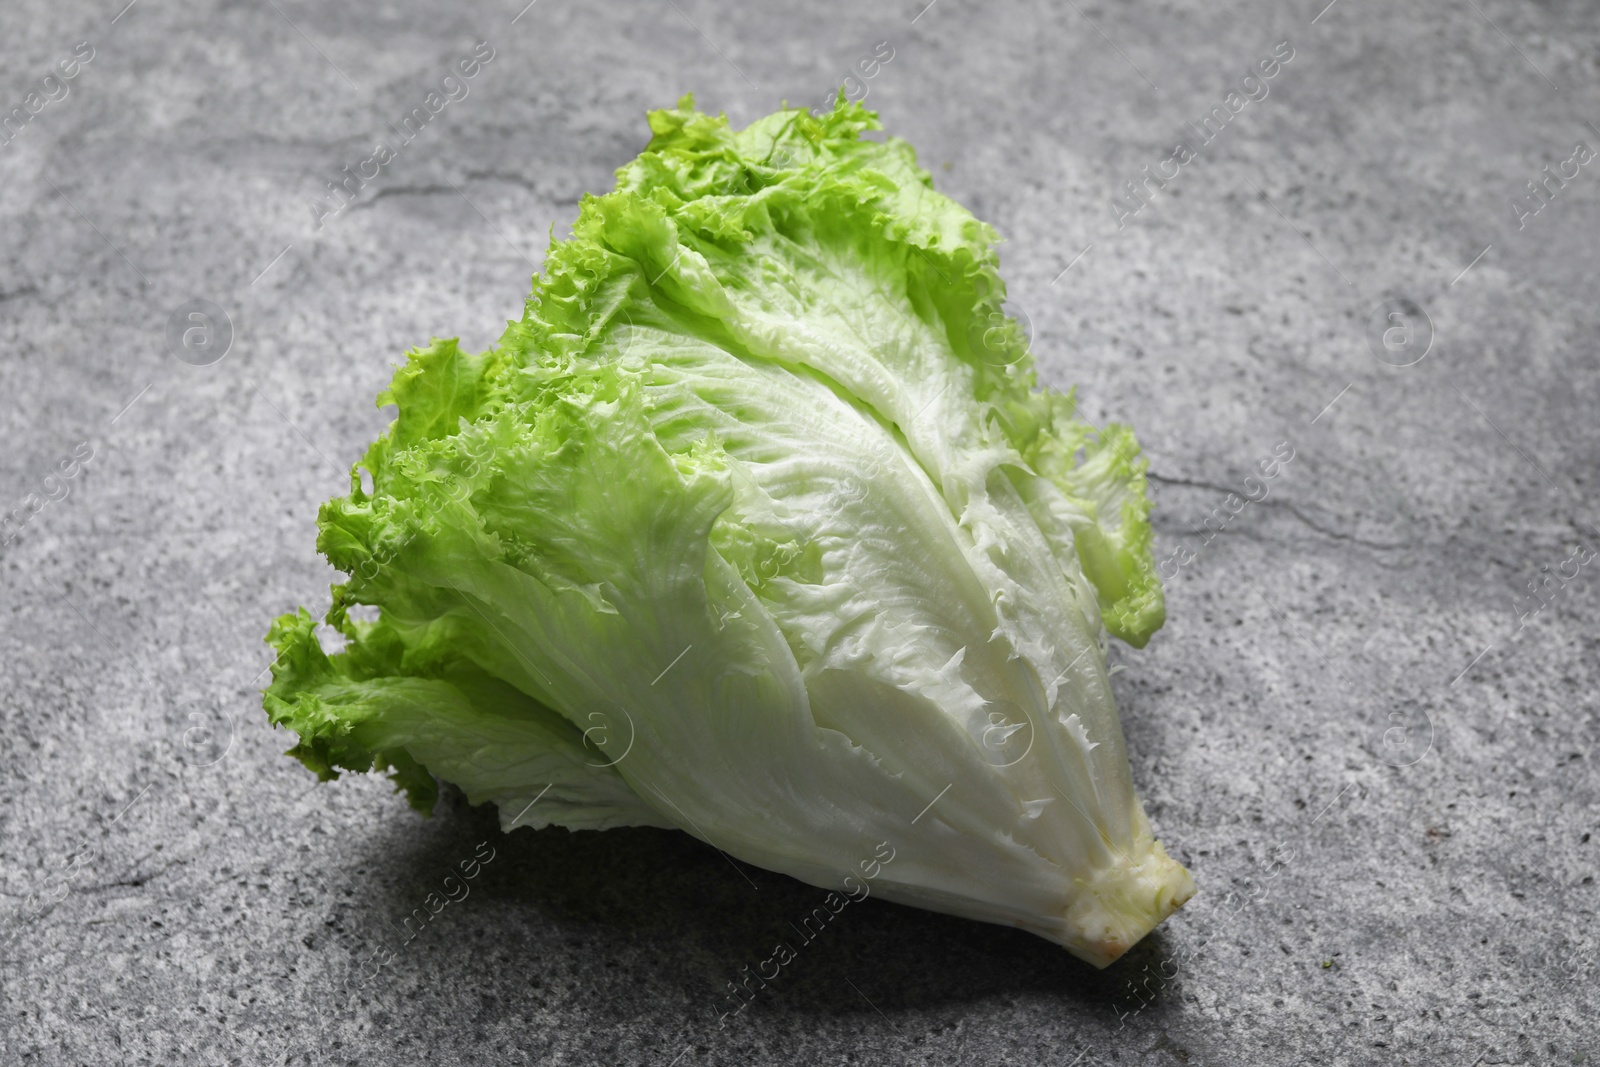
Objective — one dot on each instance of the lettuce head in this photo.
(757, 524)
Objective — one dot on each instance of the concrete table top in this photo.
(1368, 738)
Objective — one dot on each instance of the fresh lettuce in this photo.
(758, 525)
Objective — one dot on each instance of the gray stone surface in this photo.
(207, 903)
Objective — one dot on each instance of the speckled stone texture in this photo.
(1368, 740)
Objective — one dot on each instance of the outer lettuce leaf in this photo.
(757, 524)
(465, 726)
